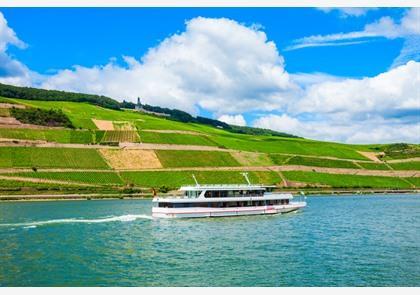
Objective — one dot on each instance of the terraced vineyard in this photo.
(412, 165)
(51, 135)
(175, 138)
(30, 157)
(120, 136)
(319, 162)
(196, 159)
(343, 181)
(374, 166)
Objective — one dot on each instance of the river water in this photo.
(335, 241)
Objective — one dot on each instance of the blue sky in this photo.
(60, 38)
(294, 75)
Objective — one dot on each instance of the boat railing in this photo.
(226, 186)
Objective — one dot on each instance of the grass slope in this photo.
(413, 165)
(170, 158)
(174, 138)
(297, 160)
(347, 181)
(374, 166)
(28, 157)
(270, 144)
(51, 135)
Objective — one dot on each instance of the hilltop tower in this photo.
(138, 105)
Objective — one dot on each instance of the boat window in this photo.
(192, 194)
(166, 205)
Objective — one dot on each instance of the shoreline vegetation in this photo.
(96, 147)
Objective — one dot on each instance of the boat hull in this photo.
(199, 212)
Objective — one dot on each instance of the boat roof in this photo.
(224, 187)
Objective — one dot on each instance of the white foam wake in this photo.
(122, 218)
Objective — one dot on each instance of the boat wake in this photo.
(122, 218)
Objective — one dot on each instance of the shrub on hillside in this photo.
(52, 118)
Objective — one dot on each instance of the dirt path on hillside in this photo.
(180, 147)
(370, 155)
(404, 160)
(5, 105)
(131, 158)
(122, 145)
(42, 180)
(12, 123)
(103, 124)
(19, 142)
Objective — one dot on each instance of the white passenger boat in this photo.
(224, 200)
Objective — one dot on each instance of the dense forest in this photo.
(42, 94)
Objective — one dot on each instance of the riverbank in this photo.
(74, 197)
(114, 196)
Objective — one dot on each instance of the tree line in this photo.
(107, 102)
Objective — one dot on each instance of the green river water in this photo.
(335, 241)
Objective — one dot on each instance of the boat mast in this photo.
(195, 179)
(246, 177)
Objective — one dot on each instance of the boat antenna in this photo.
(246, 177)
(302, 194)
(195, 179)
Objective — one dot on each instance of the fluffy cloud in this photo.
(386, 27)
(375, 130)
(8, 36)
(409, 51)
(233, 119)
(391, 92)
(348, 11)
(213, 63)
(12, 71)
(384, 108)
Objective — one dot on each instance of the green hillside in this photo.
(156, 151)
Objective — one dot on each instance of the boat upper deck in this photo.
(226, 187)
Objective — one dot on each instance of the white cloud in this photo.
(385, 27)
(377, 130)
(409, 51)
(394, 91)
(213, 63)
(384, 108)
(8, 36)
(348, 11)
(233, 119)
(12, 71)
